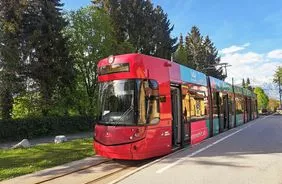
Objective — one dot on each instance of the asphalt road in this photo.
(251, 153)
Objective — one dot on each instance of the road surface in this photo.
(251, 153)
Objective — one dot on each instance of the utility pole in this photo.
(280, 91)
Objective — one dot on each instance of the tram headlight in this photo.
(111, 59)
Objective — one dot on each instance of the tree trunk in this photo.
(7, 104)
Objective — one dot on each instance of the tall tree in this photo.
(211, 60)
(163, 43)
(137, 22)
(243, 83)
(262, 98)
(202, 54)
(91, 39)
(11, 64)
(249, 84)
(181, 55)
(195, 49)
(49, 64)
(278, 73)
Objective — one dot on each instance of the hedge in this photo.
(18, 129)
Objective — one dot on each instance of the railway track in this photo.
(103, 172)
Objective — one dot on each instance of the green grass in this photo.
(16, 162)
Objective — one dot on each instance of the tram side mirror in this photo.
(162, 99)
(97, 118)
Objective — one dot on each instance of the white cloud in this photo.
(256, 66)
(246, 44)
(242, 58)
(234, 48)
(275, 54)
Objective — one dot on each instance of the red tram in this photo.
(151, 106)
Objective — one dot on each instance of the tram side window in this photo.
(239, 105)
(215, 104)
(230, 105)
(198, 104)
(221, 104)
(186, 102)
(148, 102)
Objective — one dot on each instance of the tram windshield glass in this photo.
(129, 102)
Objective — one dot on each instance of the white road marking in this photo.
(158, 160)
(204, 148)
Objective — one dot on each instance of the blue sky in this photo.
(258, 22)
(248, 33)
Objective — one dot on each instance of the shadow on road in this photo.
(264, 137)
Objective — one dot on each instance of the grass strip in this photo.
(17, 162)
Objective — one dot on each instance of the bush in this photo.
(18, 129)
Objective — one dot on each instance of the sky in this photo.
(247, 33)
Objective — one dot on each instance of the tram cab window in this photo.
(129, 102)
(148, 102)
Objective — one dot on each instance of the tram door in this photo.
(225, 112)
(246, 111)
(176, 116)
(250, 109)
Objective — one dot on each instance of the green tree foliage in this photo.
(11, 64)
(243, 83)
(48, 61)
(163, 43)
(91, 39)
(211, 60)
(278, 73)
(138, 23)
(273, 104)
(247, 84)
(262, 98)
(199, 53)
(195, 49)
(26, 105)
(181, 55)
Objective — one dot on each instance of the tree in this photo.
(11, 64)
(163, 43)
(262, 98)
(243, 83)
(194, 46)
(91, 39)
(248, 82)
(273, 104)
(202, 55)
(211, 60)
(278, 73)
(49, 64)
(138, 23)
(181, 55)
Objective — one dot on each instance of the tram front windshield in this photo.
(129, 102)
(117, 102)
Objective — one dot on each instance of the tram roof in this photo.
(238, 90)
(220, 85)
(192, 76)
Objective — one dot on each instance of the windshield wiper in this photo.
(124, 114)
